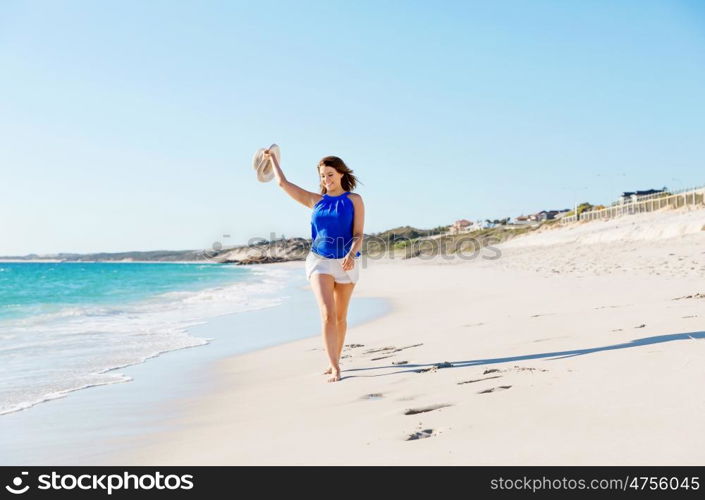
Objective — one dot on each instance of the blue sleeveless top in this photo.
(332, 226)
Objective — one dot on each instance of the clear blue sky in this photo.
(130, 125)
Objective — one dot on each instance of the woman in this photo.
(336, 230)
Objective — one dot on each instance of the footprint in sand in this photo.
(424, 409)
(692, 296)
(515, 368)
(426, 433)
(526, 369)
(374, 395)
(494, 389)
(391, 349)
(435, 367)
(381, 349)
(478, 380)
(550, 338)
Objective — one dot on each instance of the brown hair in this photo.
(348, 182)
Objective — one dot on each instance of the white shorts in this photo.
(318, 264)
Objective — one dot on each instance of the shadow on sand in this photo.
(413, 368)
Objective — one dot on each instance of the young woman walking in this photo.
(332, 265)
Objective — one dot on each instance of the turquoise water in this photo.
(29, 288)
(68, 326)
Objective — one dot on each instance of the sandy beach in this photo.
(582, 345)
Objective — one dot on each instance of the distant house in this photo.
(541, 216)
(633, 196)
(551, 214)
(460, 226)
(561, 213)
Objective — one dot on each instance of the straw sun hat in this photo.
(263, 166)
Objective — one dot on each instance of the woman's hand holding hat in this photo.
(265, 162)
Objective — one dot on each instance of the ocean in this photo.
(66, 326)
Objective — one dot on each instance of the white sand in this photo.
(597, 363)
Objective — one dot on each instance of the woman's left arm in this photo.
(358, 224)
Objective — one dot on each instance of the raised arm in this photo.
(306, 198)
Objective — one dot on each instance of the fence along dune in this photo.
(649, 203)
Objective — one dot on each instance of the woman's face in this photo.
(330, 178)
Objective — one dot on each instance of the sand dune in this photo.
(647, 226)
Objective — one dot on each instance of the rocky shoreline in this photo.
(264, 253)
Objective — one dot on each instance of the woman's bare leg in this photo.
(342, 292)
(323, 286)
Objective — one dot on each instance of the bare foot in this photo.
(336, 376)
(329, 370)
